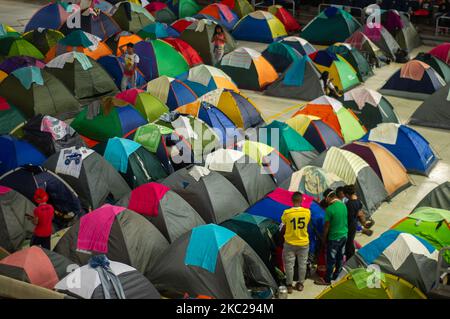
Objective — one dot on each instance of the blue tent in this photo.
(158, 30)
(259, 26)
(114, 66)
(411, 148)
(52, 16)
(15, 153)
(175, 93)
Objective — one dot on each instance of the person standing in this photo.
(219, 41)
(335, 235)
(131, 60)
(43, 217)
(295, 222)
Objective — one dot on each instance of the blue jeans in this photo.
(335, 257)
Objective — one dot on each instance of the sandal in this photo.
(299, 286)
(290, 289)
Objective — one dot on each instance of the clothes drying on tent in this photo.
(157, 30)
(300, 81)
(164, 208)
(259, 26)
(27, 179)
(159, 58)
(120, 40)
(439, 66)
(117, 232)
(184, 8)
(415, 80)
(354, 171)
(335, 115)
(340, 71)
(387, 167)
(192, 57)
(97, 181)
(289, 22)
(136, 165)
(382, 39)
(330, 26)
(368, 49)
(248, 69)
(220, 13)
(114, 66)
(170, 91)
(10, 116)
(438, 197)
(15, 227)
(21, 265)
(299, 44)
(94, 22)
(400, 254)
(132, 283)
(131, 16)
(208, 192)
(16, 153)
(243, 172)
(354, 58)
(199, 35)
(369, 106)
(315, 131)
(161, 12)
(434, 111)
(291, 144)
(273, 162)
(241, 7)
(408, 145)
(402, 29)
(442, 52)
(43, 39)
(205, 78)
(50, 16)
(83, 76)
(12, 46)
(212, 261)
(181, 24)
(281, 55)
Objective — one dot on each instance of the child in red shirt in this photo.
(218, 40)
(43, 217)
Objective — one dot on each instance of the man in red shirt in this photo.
(43, 217)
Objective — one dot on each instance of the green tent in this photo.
(355, 58)
(330, 26)
(13, 46)
(355, 286)
(281, 55)
(184, 8)
(150, 107)
(43, 39)
(34, 91)
(431, 224)
(438, 65)
(288, 142)
(10, 117)
(131, 16)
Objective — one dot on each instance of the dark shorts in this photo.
(44, 242)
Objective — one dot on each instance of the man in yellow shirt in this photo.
(295, 221)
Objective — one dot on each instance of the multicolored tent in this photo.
(330, 26)
(415, 80)
(220, 13)
(35, 91)
(159, 58)
(161, 12)
(369, 50)
(118, 40)
(192, 57)
(131, 16)
(439, 66)
(341, 73)
(248, 69)
(401, 28)
(184, 8)
(289, 22)
(51, 16)
(442, 52)
(181, 24)
(354, 171)
(208, 192)
(164, 208)
(120, 234)
(10, 116)
(15, 227)
(369, 106)
(354, 58)
(114, 66)
(11, 64)
(382, 39)
(408, 145)
(212, 261)
(333, 113)
(439, 197)
(43, 39)
(241, 7)
(199, 35)
(301, 45)
(158, 30)
(170, 91)
(13, 46)
(259, 26)
(281, 55)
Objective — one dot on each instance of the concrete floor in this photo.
(17, 13)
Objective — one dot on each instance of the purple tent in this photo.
(11, 64)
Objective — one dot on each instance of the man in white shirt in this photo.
(131, 59)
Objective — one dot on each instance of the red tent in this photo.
(181, 24)
(285, 17)
(442, 52)
(189, 53)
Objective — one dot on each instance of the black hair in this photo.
(130, 45)
(329, 193)
(350, 190)
(340, 189)
(297, 197)
(215, 29)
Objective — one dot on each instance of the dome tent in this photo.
(131, 16)
(354, 58)
(184, 8)
(161, 12)
(43, 39)
(299, 44)
(158, 30)
(192, 57)
(259, 26)
(382, 39)
(402, 29)
(438, 197)
(10, 116)
(241, 7)
(289, 22)
(220, 13)
(171, 91)
(50, 16)
(442, 52)
(439, 66)
(115, 42)
(281, 55)
(369, 50)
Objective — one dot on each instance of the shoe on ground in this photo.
(369, 223)
(367, 232)
(290, 289)
(321, 282)
(299, 286)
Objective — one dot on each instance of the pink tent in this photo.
(145, 198)
(129, 96)
(442, 52)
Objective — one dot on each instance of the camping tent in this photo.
(439, 66)
(400, 254)
(382, 39)
(10, 116)
(171, 91)
(50, 16)
(220, 13)
(115, 42)
(439, 197)
(442, 52)
(115, 67)
(300, 45)
(13, 46)
(212, 261)
(192, 57)
(6, 31)
(330, 26)
(248, 69)
(411, 148)
(83, 76)
(150, 107)
(291, 144)
(199, 35)
(355, 58)
(301, 81)
(17, 153)
(402, 29)
(181, 24)
(241, 7)
(387, 167)
(161, 12)
(43, 39)
(369, 106)
(341, 73)
(354, 171)
(97, 181)
(289, 22)
(15, 227)
(27, 179)
(281, 55)
(164, 208)
(11, 64)
(415, 80)
(368, 49)
(243, 172)
(121, 234)
(335, 115)
(133, 283)
(184, 8)
(434, 111)
(158, 30)
(131, 16)
(208, 192)
(259, 26)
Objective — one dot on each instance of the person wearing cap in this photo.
(295, 222)
(43, 217)
(335, 235)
